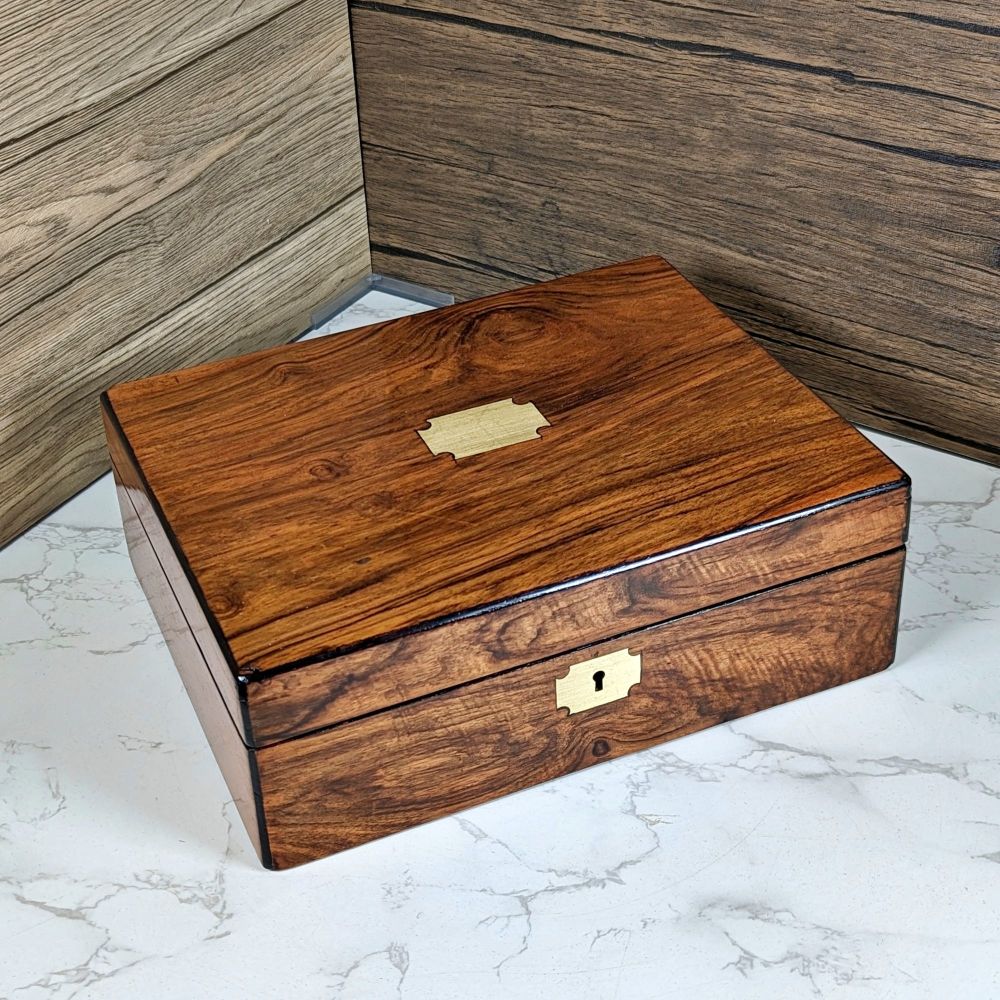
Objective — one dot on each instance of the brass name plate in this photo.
(483, 428)
(598, 681)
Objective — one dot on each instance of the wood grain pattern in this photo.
(334, 529)
(176, 587)
(62, 66)
(291, 703)
(450, 751)
(328, 585)
(180, 180)
(828, 173)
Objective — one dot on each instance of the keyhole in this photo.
(599, 680)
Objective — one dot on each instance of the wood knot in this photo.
(327, 469)
(382, 501)
(228, 602)
(287, 371)
(601, 748)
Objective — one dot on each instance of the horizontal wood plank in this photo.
(64, 65)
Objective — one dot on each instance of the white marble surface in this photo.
(847, 845)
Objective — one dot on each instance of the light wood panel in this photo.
(828, 172)
(180, 180)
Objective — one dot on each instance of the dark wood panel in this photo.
(828, 173)
(335, 528)
(179, 181)
(382, 774)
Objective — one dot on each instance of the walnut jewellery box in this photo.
(418, 565)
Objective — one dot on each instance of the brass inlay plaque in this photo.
(483, 428)
(598, 681)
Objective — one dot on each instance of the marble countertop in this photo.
(846, 845)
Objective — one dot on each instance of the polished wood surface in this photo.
(372, 633)
(178, 588)
(314, 522)
(392, 770)
(237, 764)
(179, 181)
(828, 173)
(290, 703)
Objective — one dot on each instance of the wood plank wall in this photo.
(829, 173)
(179, 179)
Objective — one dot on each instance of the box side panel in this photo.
(203, 637)
(329, 791)
(295, 702)
(235, 761)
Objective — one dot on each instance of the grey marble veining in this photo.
(846, 845)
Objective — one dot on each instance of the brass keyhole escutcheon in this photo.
(598, 681)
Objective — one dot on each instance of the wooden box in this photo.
(418, 565)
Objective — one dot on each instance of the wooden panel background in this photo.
(828, 173)
(179, 180)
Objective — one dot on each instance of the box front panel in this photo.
(296, 702)
(361, 780)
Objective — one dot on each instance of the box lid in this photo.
(317, 509)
